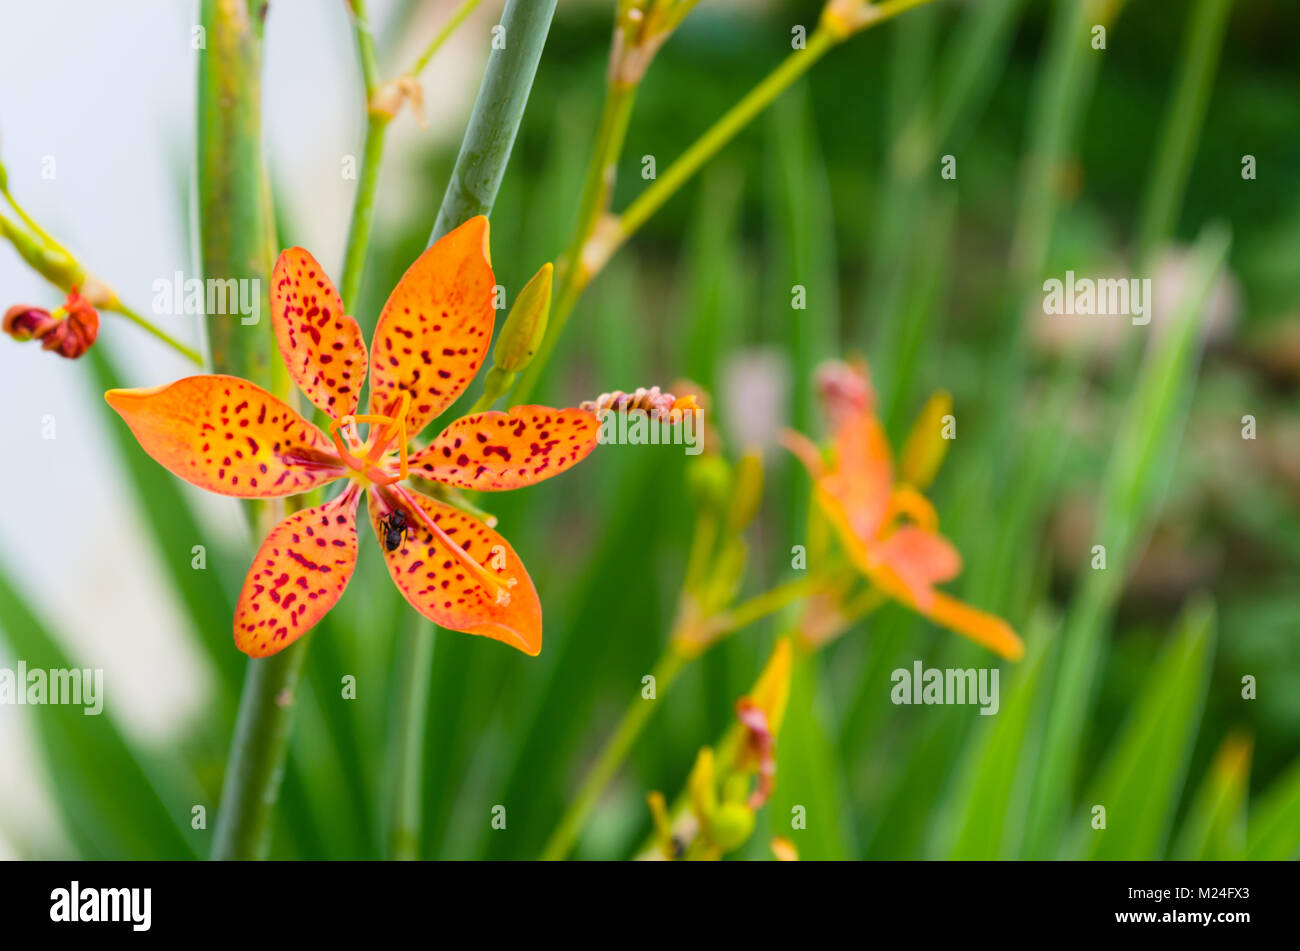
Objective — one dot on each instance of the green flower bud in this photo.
(53, 263)
(747, 492)
(526, 324)
(708, 478)
(732, 826)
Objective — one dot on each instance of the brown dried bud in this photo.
(69, 331)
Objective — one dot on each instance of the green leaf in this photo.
(112, 800)
(1146, 443)
(809, 782)
(1139, 784)
(983, 797)
(1215, 827)
(1273, 829)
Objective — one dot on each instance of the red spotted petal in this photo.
(299, 573)
(477, 585)
(321, 345)
(493, 451)
(229, 436)
(435, 329)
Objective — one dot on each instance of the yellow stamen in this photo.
(490, 580)
(905, 500)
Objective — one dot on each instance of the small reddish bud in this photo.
(70, 331)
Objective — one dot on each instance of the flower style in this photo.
(227, 435)
(889, 530)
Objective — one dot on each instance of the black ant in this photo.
(394, 526)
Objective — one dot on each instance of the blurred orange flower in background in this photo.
(888, 529)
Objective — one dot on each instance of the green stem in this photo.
(611, 758)
(363, 205)
(236, 242)
(490, 136)
(769, 602)
(457, 18)
(144, 323)
(675, 657)
(471, 191)
(257, 755)
(412, 705)
(590, 256)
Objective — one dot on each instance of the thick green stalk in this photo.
(236, 235)
(498, 110)
(472, 191)
(257, 754)
(234, 227)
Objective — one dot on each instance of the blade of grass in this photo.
(983, 806)
(1215, 827)
(1273, 826)
(1146, 440)
(115, 804)
(1142, 777)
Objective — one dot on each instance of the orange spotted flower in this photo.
(888, 529)
(227, 435)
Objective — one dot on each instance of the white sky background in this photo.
(107, 87)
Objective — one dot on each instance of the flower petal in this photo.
(494, 451)
(229, 436)
(984, 629)
(321, 345)
(919, 560)
(861, 477)
(299, 573)
(434, 331)
(469, 579)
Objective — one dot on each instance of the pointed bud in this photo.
(747, 492)
(526, 325)
(771, 692)
(704, 797)
(925, 448)
(54, 264)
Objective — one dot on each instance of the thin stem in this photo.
(675, 658)
(587, 261)
(611, 757)
(457, 18)
(363, 205)
(722, 132)
(363, 211)
(145, 324)
(769, 602)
